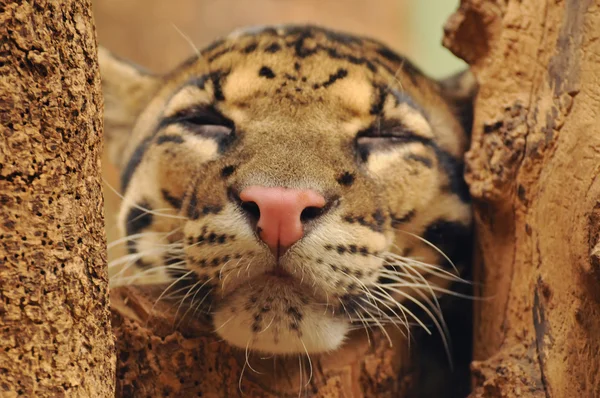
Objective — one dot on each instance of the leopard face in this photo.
(290, 183)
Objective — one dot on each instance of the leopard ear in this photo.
(460, 90)
(127, 90)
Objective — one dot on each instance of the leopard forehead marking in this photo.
(294, 107)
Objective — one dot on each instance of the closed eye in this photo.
(386, 135)
(205, 121)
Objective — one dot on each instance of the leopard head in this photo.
(291, 182)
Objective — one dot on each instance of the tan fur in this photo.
(297, 97)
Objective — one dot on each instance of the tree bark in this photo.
(55, 335)
(533, 172)
(162, 355)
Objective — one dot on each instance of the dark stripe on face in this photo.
(134, 162)
(176, 139)
(454, 169)
(216, 78)
(452, 238)
(273, 48)
(192, 211)
(381, 95)
(172, 200)
(250, 48)
(138, 218)
(340, 74)
(136, 221)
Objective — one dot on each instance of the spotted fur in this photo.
(298, 107)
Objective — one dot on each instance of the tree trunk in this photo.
(55, 336)
(533, 172)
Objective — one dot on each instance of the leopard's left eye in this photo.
(381, 139)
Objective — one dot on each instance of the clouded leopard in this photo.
(291, 183)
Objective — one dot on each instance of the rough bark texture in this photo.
(160, 355)
(55, 336)
(533, 171)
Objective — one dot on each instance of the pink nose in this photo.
(280, 223)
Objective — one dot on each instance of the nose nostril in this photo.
(310, 213)
(251, 209)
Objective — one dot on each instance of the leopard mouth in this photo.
(275, 313)
(280, 273)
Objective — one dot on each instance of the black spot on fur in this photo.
(379, 217)
(272, 48)
(266, 72)
(376, 224)
(297, 68)
(227, 171)
(176, 139)
(172, 200)
(295, 313)
(346, 179)
(134, 162)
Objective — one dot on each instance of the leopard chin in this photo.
(279, 318)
